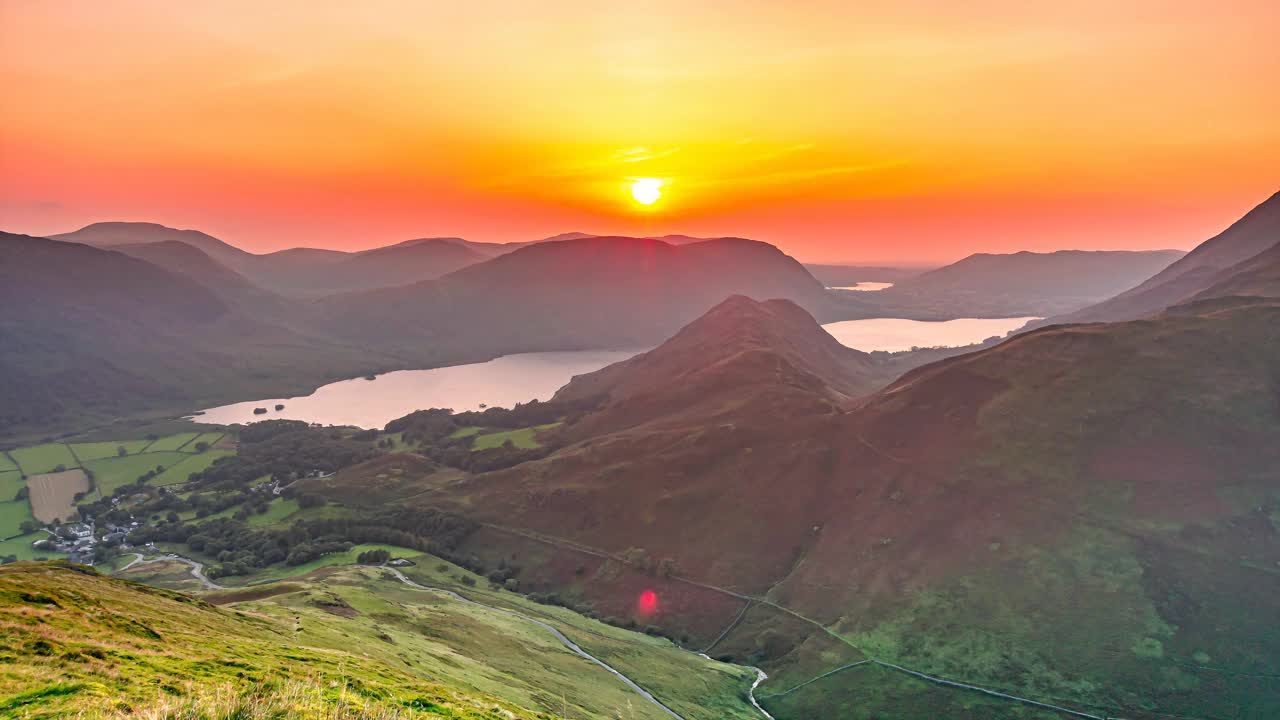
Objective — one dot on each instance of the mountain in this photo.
(195, 264)
(1256, 232)
(401, 264)
(90, 334)
(109, 234)
(574, 294)
(1026, 283)
(1043, 517)
(296, 272)
(711, 366)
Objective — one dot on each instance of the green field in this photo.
(44, 458)
(12, 514)
(6, 464)
(180, 471)
(111, 473)
(465, 432)
(280, 571)
(10, 483)
(20, 546)
(278, 510)
(522, 438)
(209, 437)
(99, 450)
(171, 442)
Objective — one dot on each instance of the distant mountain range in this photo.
(1026, 283)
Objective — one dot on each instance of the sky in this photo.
(903, 131)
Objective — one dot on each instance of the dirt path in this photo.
(549, 628)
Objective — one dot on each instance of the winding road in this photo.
(197, 569)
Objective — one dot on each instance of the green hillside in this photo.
(348, 642)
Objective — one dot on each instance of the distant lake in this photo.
(895, 334)
(864, 286)
(502, 382)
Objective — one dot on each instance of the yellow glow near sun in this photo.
(646, 191)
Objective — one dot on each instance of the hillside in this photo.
(1004, 518)
(1026, 283)
(341, 642)
(640, 290)
(89, 335)
(1257, 231)
(195, 264)
(1259, 276)
(401, 264)
(711, 365)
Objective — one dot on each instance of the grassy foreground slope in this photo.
(340, 642)
(76, 642)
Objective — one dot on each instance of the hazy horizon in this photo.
(884, 133)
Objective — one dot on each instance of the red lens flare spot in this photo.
(648, 602)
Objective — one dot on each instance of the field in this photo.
(98, 450)
(522, 438)
(171, 442)
(180, 471)
(12, 512)
(280, 571)
(210, 437)
(6, 464)
(53, 494)
(20, 547)
(111, 473)
(43, 458)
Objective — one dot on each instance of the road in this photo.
(197, 569)
(558, 635)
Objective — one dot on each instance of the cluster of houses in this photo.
(80, 540)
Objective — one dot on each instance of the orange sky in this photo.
(858, 131)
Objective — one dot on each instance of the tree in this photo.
(121, 451)
(28, 526)
(21, 494)
(59, 468)
(172, 517)
(202, 446)
(373, 557)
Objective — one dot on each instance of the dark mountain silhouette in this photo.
(1257, 231)
(587, 293)
(298, 272)
(1026, 283)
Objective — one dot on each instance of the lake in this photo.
(502, 382)
(896, 334)
(864, 286)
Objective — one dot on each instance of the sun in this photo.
(646, 191)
